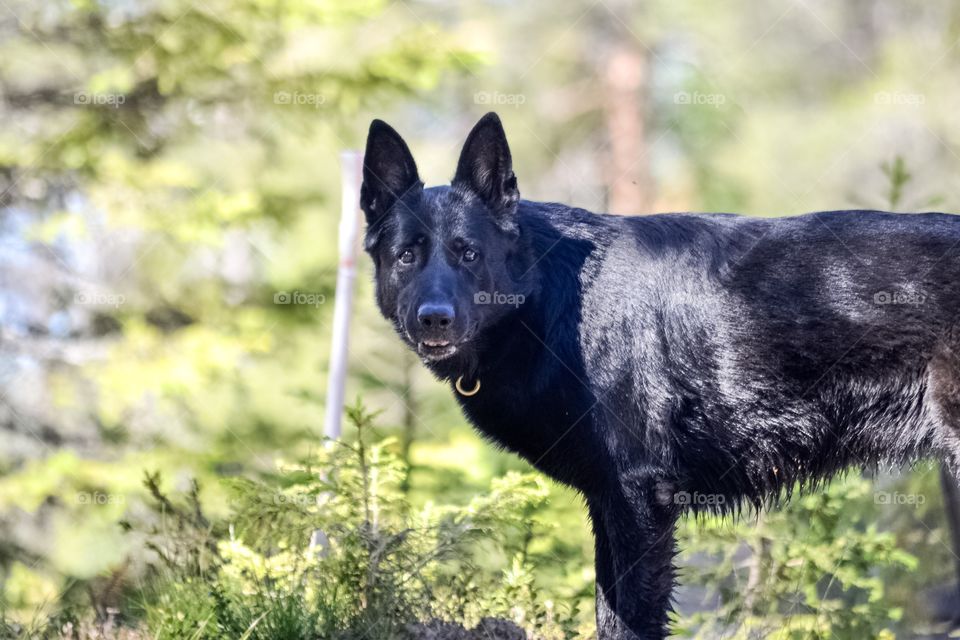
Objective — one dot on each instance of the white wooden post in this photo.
(351, 171)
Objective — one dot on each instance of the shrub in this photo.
(811, 570)
(329, 548)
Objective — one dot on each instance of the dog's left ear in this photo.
(389, 171)
(485, 167)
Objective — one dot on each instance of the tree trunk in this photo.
(626, 78)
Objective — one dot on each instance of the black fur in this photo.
(657, 357)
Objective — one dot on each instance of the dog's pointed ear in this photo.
(389, 171)
(486, 168)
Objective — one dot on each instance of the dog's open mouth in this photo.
(436, 349)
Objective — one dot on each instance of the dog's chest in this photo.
(554, 432)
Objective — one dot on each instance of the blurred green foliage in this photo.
(814, 569)
(156, 153)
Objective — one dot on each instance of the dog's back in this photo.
(763, 351)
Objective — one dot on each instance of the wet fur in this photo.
(674, 354)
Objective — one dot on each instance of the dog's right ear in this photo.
(388, 171)
(486, 168)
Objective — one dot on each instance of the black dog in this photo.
(667, 362)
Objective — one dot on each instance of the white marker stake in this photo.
(351, 170)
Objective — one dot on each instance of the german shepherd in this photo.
(646, 360)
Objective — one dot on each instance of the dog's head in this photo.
(445, 257)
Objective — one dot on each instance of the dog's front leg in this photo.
(606, 580)
(634, 529)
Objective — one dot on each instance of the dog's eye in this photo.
(470, 255)
(407, 257)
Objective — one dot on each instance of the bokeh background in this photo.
(167, 167)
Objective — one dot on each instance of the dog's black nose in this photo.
(433, 315)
